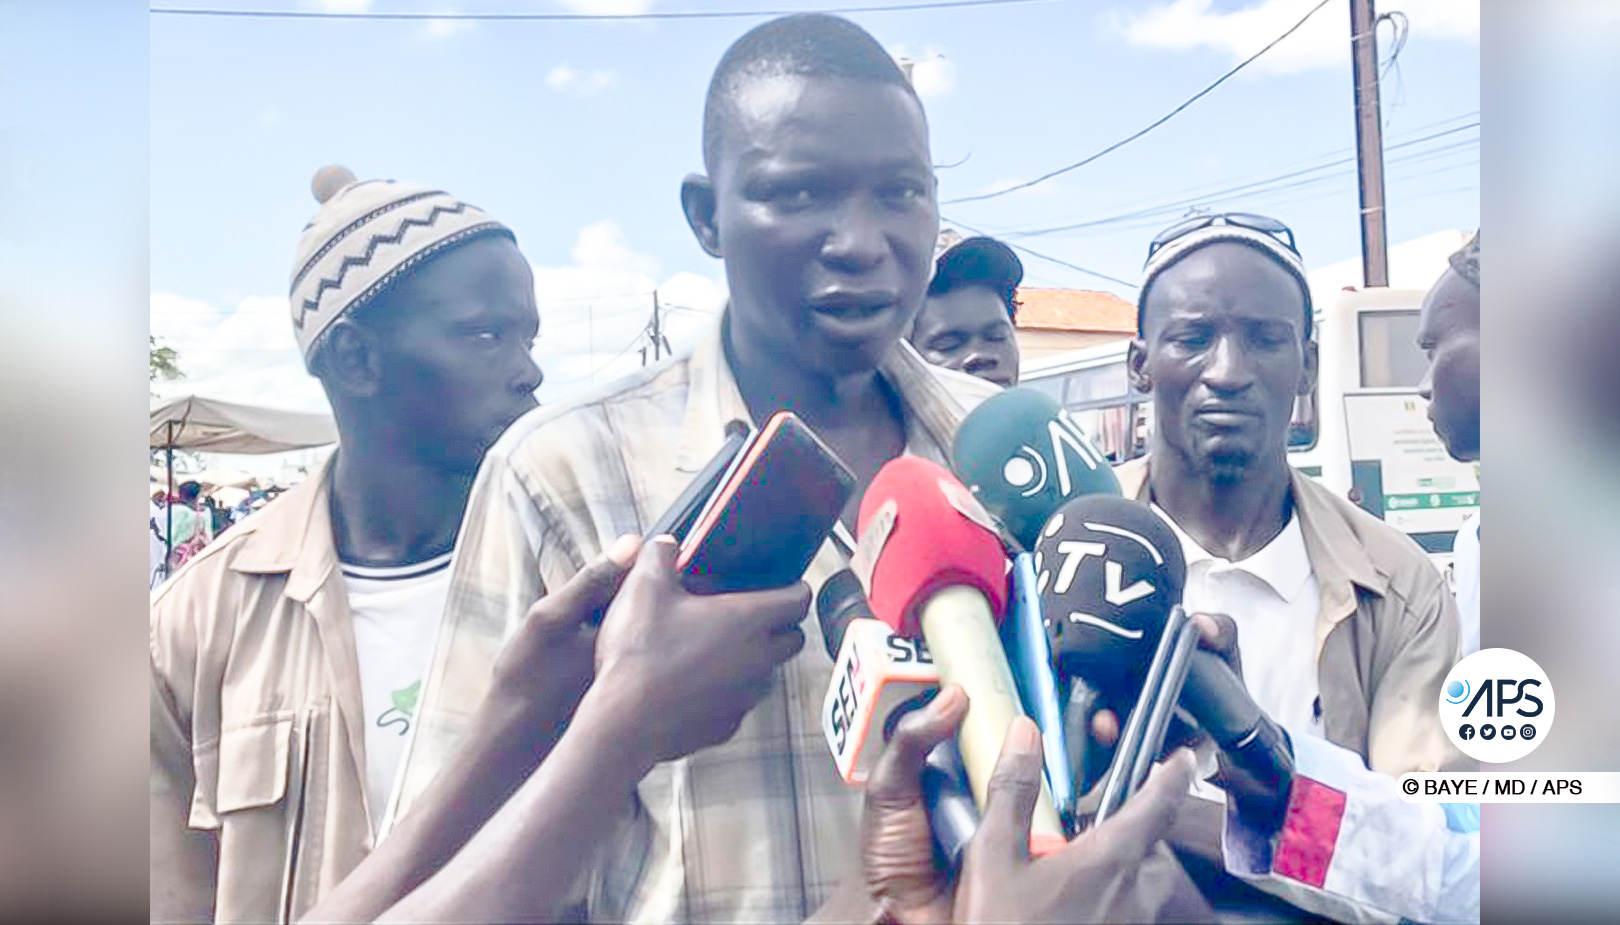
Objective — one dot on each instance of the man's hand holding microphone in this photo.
(1092, 879)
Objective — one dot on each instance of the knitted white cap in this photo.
(364, 236)
(1168, 255)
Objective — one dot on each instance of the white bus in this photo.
(1364, 432)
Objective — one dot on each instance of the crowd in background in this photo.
(182, 524)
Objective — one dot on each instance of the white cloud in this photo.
(246, 354)
(609, 7)
(565, 79)
(932, 73)
(1323, 42)
(592, 310)
(441, 29)
(344, 6)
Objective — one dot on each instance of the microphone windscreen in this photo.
(1023, 457)
(931, 535)
(841, 601)
(1109, 570)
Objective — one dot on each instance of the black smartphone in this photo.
(769, 518)
(677, 521)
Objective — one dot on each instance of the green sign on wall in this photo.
(1431, 501)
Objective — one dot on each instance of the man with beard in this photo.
(1340, 626)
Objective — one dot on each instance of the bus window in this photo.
(1051, 385)
(1108, 427)
(1088, 386)
(1390, 358)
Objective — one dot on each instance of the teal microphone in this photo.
(1023, 458)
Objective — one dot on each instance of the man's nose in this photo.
(856, 241)
(530, 375)
(979, 360)
(1229, 369)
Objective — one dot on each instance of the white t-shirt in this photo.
(1465, 566)
(396, 612)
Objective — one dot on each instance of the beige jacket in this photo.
(256, 709)
(1386, 636)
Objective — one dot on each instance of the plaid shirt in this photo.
(759, 829)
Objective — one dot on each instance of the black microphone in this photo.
(874, 662)
(1109, 572)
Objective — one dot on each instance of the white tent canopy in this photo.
(221, 478)
(196, 423)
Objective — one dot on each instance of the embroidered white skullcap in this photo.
(364, 236)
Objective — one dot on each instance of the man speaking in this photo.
(819, 196)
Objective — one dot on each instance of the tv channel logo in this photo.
(1496, 705)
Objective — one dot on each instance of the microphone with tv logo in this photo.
(1023, 457)
(879, 677)
(936, 570)
(1111, 574)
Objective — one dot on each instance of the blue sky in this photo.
(578, 133)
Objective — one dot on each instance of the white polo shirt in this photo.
(1387, 860)
(1274, 599)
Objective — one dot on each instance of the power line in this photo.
(1255, 187)
(1204, 189)
(577, 17)
(1149, 219)
(1047, 257)
(598, 370)
(1268, 200)
(1155, 124)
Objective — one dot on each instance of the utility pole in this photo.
(1369, 143)
(655, 332)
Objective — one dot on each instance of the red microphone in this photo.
(935, 569)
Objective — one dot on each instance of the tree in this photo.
(162, 362)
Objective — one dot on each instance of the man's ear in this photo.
(697, 201)
(1307, 379)
(1136, 366)
(351, 360)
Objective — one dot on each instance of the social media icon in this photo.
(1496, 705)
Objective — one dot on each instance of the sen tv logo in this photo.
(1497, 705)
